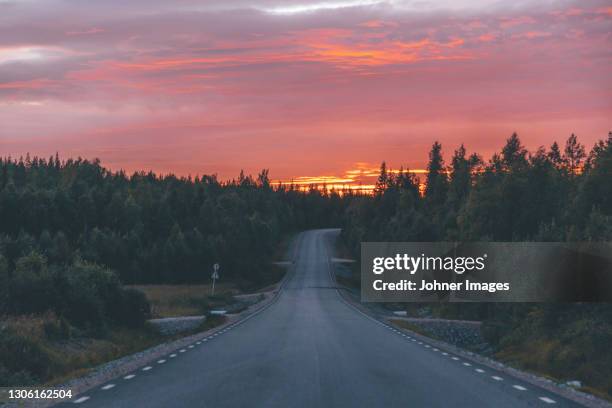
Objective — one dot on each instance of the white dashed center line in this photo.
(80, 400)
(436, 349)
(161, 361)
(191, 346)
(548, 400)
(520, 388)
(445, 354)
(428, 346)
(172, 355)
(108, 387)
(129, 377)
(496, 378)
(467, 364)
(182, 350)
(455, 358)
(480, 370)
(147, 368)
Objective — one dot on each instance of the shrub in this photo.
(133, 309)
(4, 285)
(24, 356)
(57, 329)
(94, 297)
(21, 378)
(31, 287)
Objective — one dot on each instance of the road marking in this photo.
(420, 342)
(496, 378)
(182, 350)
(435, 349)
(521, 388)
(191, 346)
(172, 355)
(161, 361)
(480, 370)
(413, 340)
(82, 399)
(147, 368)
(129, 377)
(198, 342)
(467, 364)
(455, 358)
(108, 387)
(548, 400)
(445, 354)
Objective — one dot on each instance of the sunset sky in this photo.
(304, 88)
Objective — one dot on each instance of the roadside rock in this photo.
(173, 325)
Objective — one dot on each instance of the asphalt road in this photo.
(311, 349)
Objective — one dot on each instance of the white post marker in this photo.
(215, 276)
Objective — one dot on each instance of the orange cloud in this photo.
(361, 178)
(532, 34)
(378, 24)
(516, 21)
(486, 37)
(606, 10)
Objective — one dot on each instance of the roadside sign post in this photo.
(215, 276)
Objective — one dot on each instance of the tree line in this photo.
(72, 233)
(555, 194)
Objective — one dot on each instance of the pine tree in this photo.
(573, 155)
(383, 180)
(436, 185)
(514, 154)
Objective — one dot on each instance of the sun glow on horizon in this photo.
(362, 179)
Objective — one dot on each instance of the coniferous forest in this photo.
(72, 233)
(559, 194)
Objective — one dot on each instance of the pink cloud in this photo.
(200, 90)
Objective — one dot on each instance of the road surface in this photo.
(311, 349)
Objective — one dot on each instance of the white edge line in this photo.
(80, 400)
(548, 400)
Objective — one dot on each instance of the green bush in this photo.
(57, 329)
(24, 357)
(31, 288)
(132, 310)
(4, 286)
(94, 297)
(89, 296)
(21, 378)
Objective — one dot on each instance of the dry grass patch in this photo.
(185, 300)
